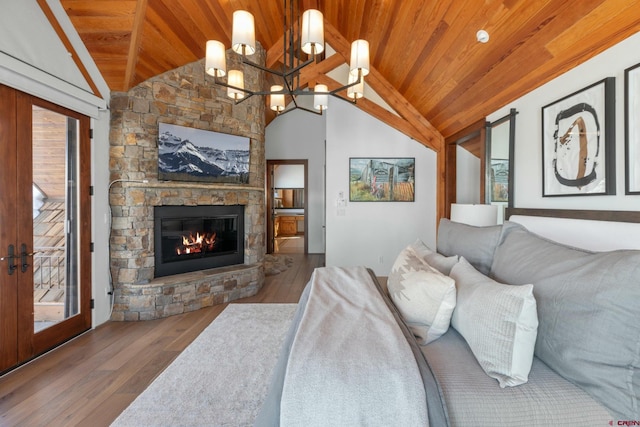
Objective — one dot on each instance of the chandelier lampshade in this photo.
(243, 40)
(357, 90)
(277, 99)
(321, 97)
(216, 59)
(236, 83)
(359, 57)
(312, 39)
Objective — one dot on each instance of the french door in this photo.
(45, 227)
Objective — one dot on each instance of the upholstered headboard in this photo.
(591, 230)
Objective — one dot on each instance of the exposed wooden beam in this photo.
(376, 110)
(430, 135)
(67, 44)
(134, 44)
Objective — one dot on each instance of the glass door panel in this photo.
(55, 285)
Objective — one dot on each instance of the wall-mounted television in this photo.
(189, 154)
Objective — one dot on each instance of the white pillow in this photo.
(498, 321)
(424, 297)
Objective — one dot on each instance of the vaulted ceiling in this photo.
(426, 62)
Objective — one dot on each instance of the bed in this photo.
(356, 355)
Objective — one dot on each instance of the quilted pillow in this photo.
(423, 295)
(498, 321)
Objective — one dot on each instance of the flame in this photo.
(196, 244)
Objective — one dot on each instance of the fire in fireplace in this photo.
(191, 238)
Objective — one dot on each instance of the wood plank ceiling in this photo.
(426, 61)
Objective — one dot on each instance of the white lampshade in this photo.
(478, 215)
(235, 78)
(321, 97)
(244, 33)
(312, 31)
(356, 91)
(216, 59)
(359, 57)
(277, 100)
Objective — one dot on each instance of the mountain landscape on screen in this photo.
(187, 154)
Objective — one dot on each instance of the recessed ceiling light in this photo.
(482, 36)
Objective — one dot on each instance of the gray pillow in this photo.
(442, 263)
(589, 321)
(475, 244)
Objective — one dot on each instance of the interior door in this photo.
(45, 228)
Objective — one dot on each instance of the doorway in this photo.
(45, 226)
(287, 225)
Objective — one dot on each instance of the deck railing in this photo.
(49, 267)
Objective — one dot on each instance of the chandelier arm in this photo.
(247, 91)
(340, 89)
(284, 74)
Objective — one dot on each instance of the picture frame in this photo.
(190, 154)
(578, 142)
(382, 179)
(499, 180)
(632, 129)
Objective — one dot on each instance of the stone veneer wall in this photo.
(185, 97)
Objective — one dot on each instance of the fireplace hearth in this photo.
(192, 238)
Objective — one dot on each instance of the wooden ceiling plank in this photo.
(134, 44)
(599, 24)
(179, 27)
(88, 8)
(517, 25)
(511, 69)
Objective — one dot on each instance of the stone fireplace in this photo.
(185, 97)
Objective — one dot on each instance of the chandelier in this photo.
(300, 35)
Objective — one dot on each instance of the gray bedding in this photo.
(474, 399)
(274, 412)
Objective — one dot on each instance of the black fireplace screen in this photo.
(191, 238)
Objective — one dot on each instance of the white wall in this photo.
(34, 60)
(528, 149)
(300, 135)
(373, 233)
(288, 176)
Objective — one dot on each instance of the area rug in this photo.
(221, 378)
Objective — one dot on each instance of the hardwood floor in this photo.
(91, 379)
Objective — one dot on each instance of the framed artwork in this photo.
(578, 142)
(188, 154)
(381, 179)
(499, 180)
(632, 129)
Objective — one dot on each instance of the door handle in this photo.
(10, 259)
(23, 257)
